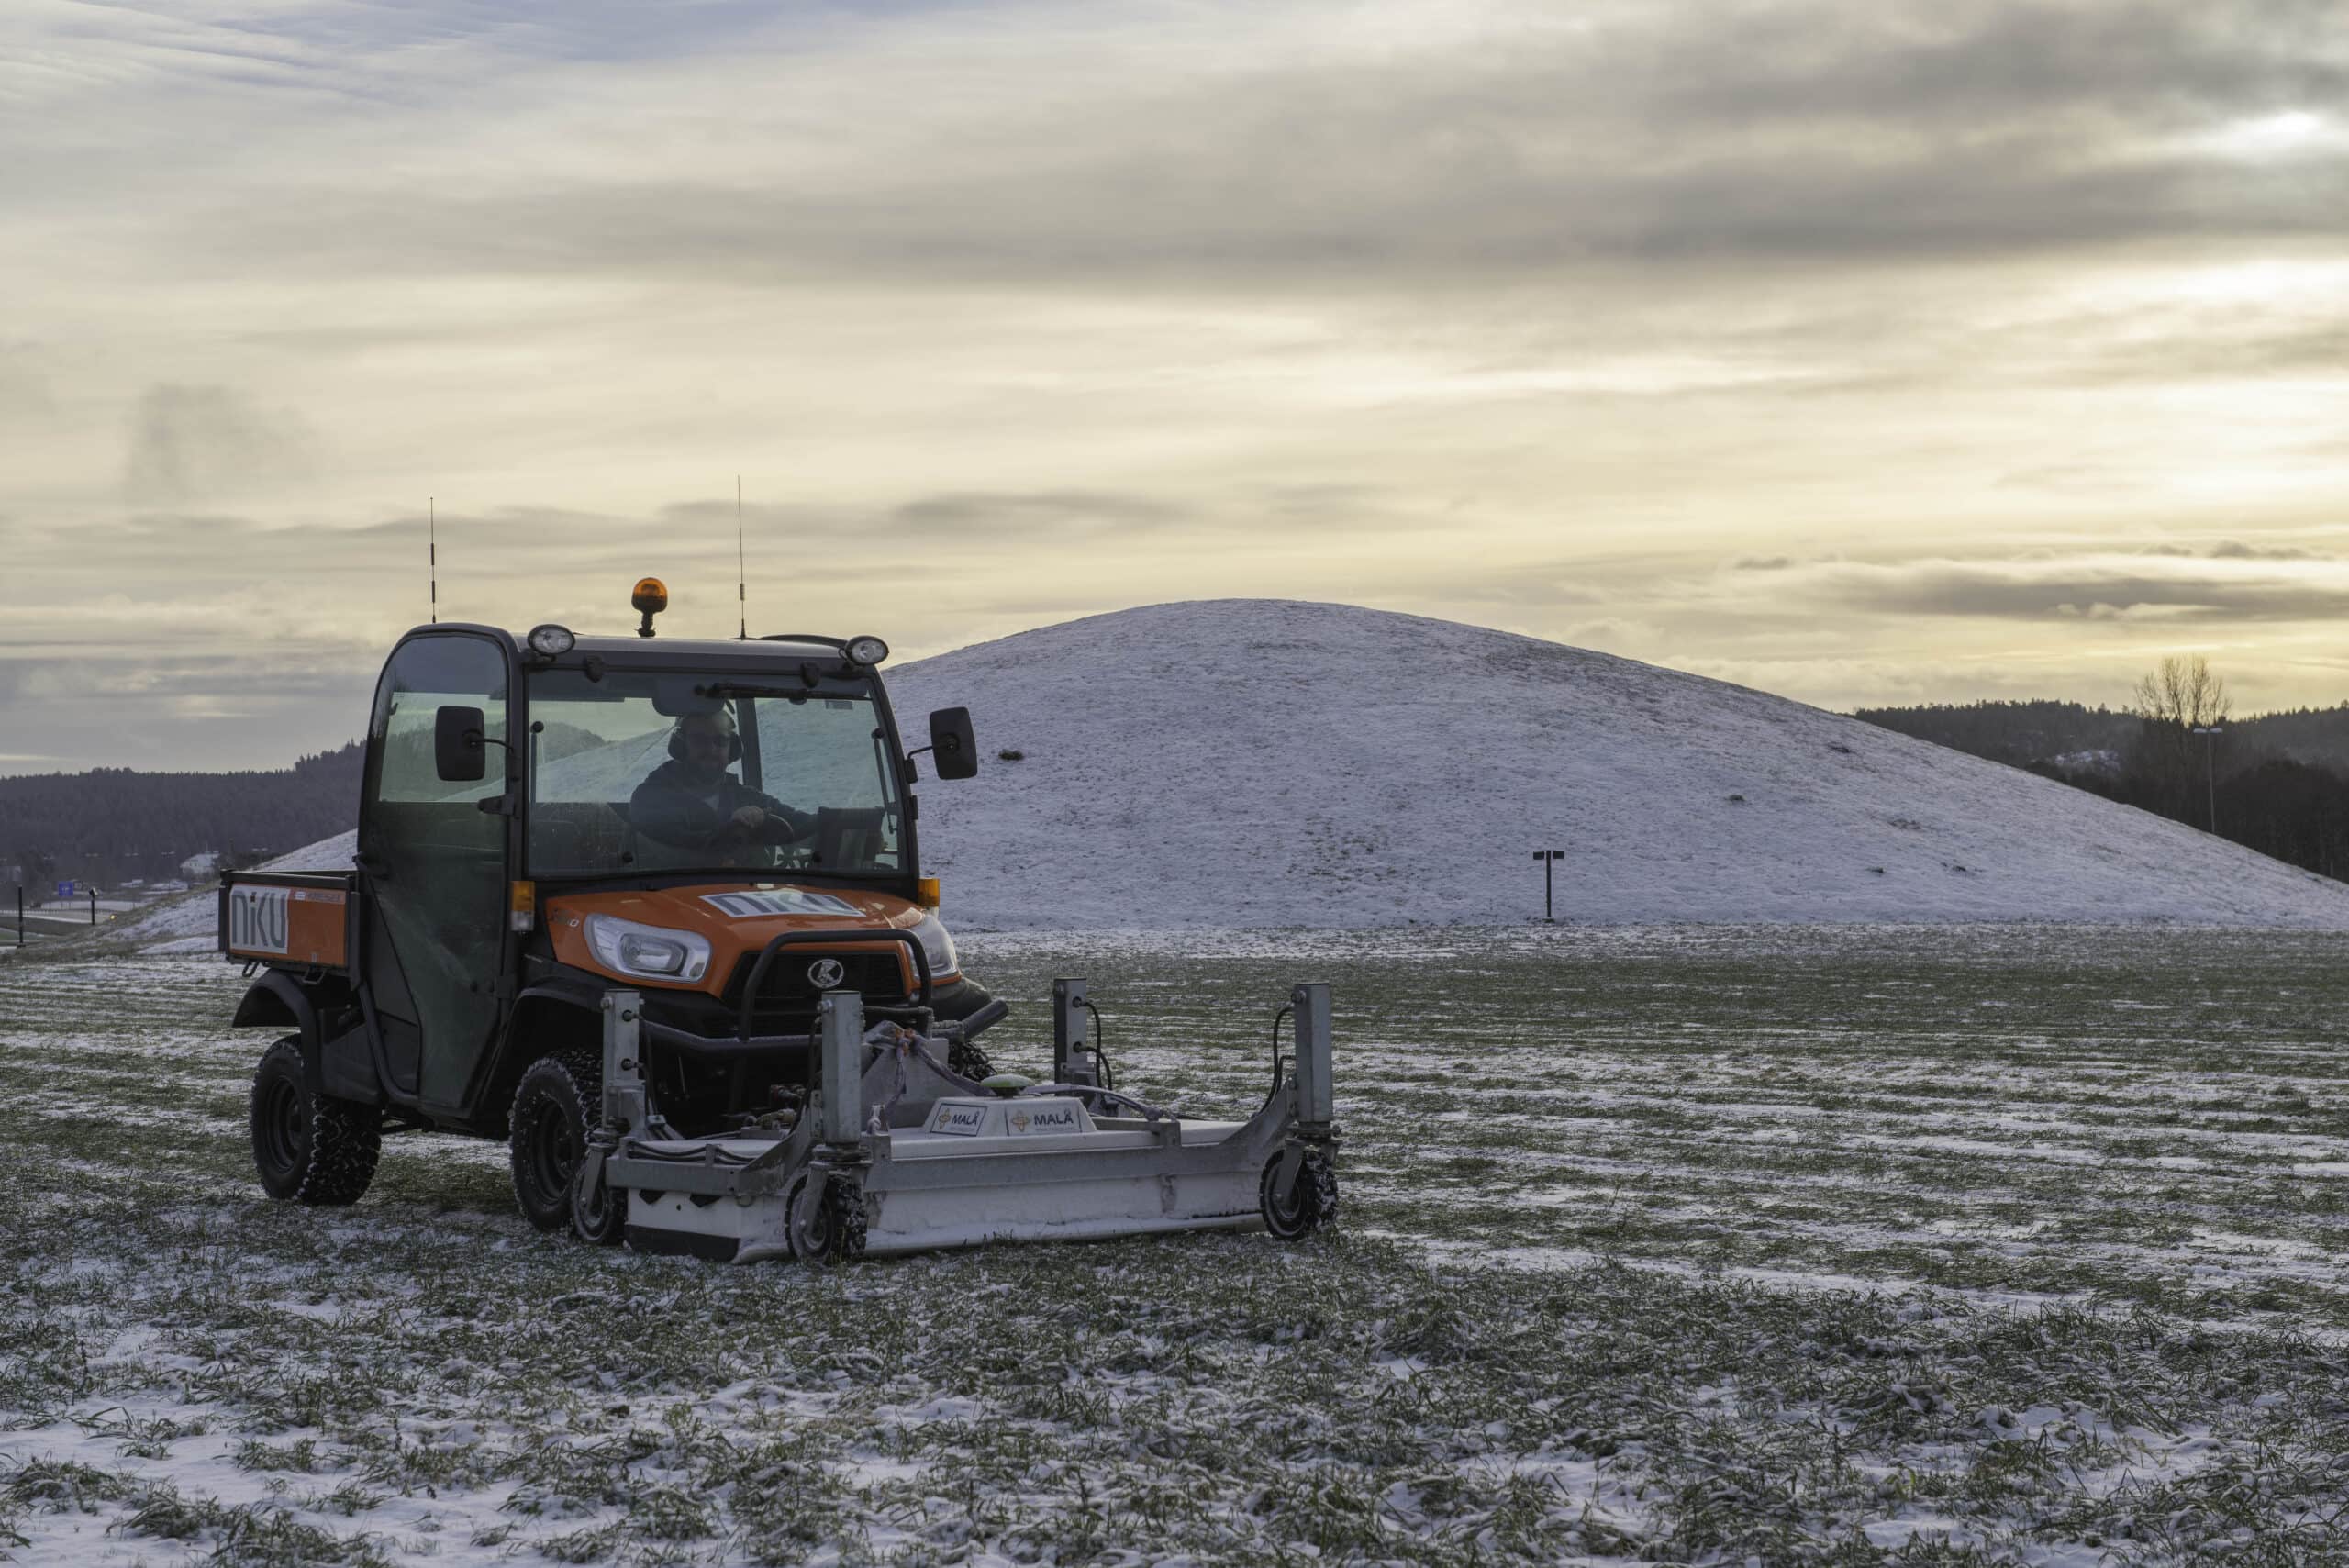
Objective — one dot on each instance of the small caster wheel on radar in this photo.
(1306, 1201)
(827, 1225)
(599, 1218)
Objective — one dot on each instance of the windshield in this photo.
(640, 771)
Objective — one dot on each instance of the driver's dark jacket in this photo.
(671, 808)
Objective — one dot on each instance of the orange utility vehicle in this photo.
(654, 912)
(726, 827)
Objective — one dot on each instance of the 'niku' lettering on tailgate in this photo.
(257, 918)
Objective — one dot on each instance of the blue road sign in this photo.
(65, 890)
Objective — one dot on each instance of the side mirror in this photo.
(458, 752)
(954, 749)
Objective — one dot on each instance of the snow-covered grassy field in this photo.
(1770, 1245)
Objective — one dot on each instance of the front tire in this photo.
(316, 1149)
(547, 1133)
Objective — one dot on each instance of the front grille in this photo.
(787, 995)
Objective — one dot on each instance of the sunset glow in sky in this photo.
(1860, 351)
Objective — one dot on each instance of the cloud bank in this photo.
(1851, 350)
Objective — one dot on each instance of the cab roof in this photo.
(757, 650)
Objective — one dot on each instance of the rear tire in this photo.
(315, 1149)
(547, 1133)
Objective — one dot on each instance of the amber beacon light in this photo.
(650, 598)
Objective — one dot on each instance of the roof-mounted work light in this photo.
(650, 598)
(551, 641)
(867, 650)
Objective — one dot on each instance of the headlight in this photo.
(866, 650)
(551, 641)
(937, 946)
(653, 952)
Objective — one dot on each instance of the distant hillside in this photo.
(2022, 733)
(2015, 733)
(116, 823)
(2318, 735)
(2277, 783)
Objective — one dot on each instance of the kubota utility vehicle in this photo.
(652, 912)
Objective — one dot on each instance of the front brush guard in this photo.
(832, 938)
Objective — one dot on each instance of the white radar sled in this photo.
(896, 1153)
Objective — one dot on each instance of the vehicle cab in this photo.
(726, 828)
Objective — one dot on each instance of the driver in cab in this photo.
(692, 803)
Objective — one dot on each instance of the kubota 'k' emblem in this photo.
(825, 974)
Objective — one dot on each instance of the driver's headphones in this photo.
(677, 742)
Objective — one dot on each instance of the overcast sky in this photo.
(1861, 351)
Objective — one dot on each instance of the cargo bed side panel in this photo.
(294, 919)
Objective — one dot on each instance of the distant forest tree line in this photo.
(112, 825)
(2277, 783)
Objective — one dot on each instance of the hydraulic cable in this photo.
(1276, 1090)
(1100, 1050)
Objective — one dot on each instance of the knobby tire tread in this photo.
(346, 1138)
(583, 1067)
(847, 1204)
(1315, 1196)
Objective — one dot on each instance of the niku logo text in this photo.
(257, 919)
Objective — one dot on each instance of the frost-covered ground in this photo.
(1775, 1245)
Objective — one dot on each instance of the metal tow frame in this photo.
(843, 1150)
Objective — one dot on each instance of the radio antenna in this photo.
(741, 595)
(432, 551)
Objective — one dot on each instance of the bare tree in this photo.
(2183, 691)
(2169, 765)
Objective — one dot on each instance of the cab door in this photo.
(436, 865)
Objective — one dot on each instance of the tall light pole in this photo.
(1549, 857)
(2211, 733)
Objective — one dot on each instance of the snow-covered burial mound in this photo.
(1263, 762)
(1254, 762)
